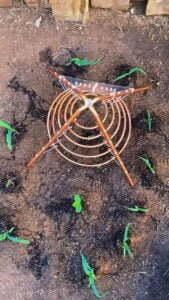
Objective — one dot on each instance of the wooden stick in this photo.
(111, 145)
(56, 136)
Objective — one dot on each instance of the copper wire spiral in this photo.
(89, 123)
(84, 149)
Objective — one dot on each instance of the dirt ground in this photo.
(38, 201)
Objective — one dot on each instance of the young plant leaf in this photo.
(98, 294)
(148, 164)
(86, 267)
(9, 182)
(6, 236)
(91, 277)
(17, 240)
(84, 62)
(6, 126)
(126, 248)
(9, 139)
(137, 209)
(149, 120)
(3, 236)
(132, 70)
(126, 232)
(77, 204)
(11, 230)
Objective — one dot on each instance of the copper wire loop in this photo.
(89, 123)
(76, 144)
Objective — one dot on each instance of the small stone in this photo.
(38, 22)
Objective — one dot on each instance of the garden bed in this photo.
(39, 203)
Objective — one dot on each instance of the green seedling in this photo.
(132, 70)
(149, 120)
(126, 248)
(77, 204)
(6, 126)
(9, 182)
(9, 139)
(84, 62)
(7, 236)
(148, 164)
(3, 236)
(137, 209)
(91, 277)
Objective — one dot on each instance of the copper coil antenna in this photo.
(89, 123)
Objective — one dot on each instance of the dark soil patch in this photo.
(55, 209)
(10, 183)
(38, 261)
(37, 113)
(109, 241)
(140, 122)
(6, 224)
(21, 130)
(74, 270)
(46, 56)
(158, 277)
(73, 70)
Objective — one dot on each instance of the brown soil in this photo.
(39, 202)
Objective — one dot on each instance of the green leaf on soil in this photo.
(98, 294)
(137, 209)
(148, 164)
(9, 182)
(149, 120)
(126, 232)
(126, 248)
(91, 277)
(132, 70)
(84, 62)
(77, 204)
(3, 236)
(17, 240)
(86, 267)
(6, 126)
(6, 236)
(9, 139)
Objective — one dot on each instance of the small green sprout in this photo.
(84, 62)
(3, 236)
(91, 277)
(7, 236)
(149, 120)
(77, 204)
(9, 182)
(9, 139)
(9, 132)
(126, 248)
(137, 209)
(148, 164)
(132, 70)
(6, 126)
